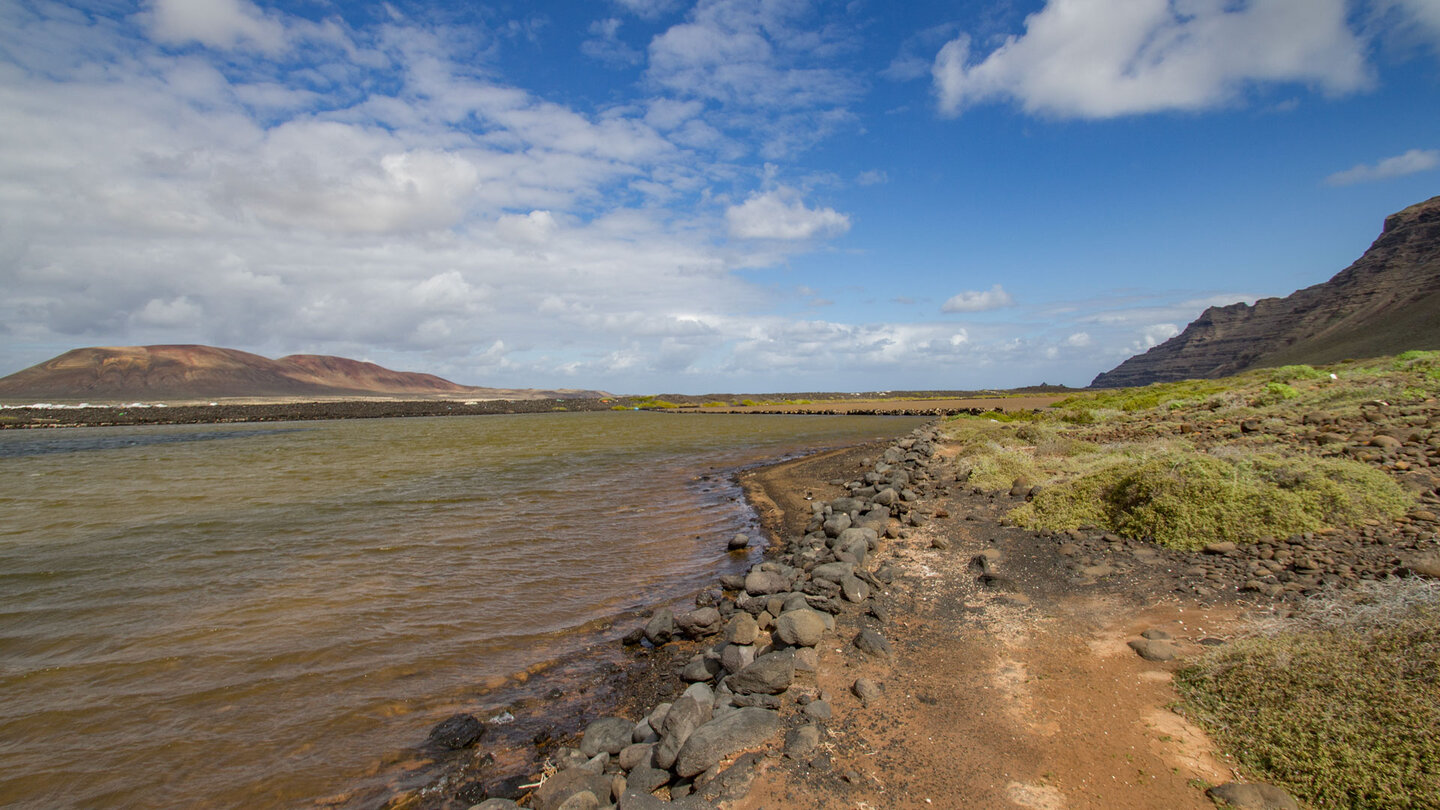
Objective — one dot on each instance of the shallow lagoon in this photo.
(230, 615)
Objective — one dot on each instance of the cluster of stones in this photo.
(759, 630)
(1402, 440)
(1398, 438)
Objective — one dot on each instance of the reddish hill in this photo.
(357, 375)
(187, 372)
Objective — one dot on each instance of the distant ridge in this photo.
(190, 372)
(1385, 303)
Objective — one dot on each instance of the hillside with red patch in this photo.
(191, 372)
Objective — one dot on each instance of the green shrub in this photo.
(1285, 374)
(1185, 500)
(1078, 416)
(998, 467)
(1274, 393)
(1344, 715)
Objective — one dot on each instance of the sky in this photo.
(653, 196)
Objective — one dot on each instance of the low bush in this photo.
(1285, 374)
(1340, 705)
(998, 467)
(1186, 499)
(1275, 393)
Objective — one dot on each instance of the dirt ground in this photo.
(1024, 696)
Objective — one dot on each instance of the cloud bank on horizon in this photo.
(657, 195)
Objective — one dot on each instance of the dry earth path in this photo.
(1021, 693)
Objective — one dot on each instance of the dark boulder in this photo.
(456, 732)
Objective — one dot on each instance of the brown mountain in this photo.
(206, 372)
(1387, 302)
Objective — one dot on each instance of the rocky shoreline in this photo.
(767, 668)
(732, 670)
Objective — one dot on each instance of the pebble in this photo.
(865, 689)
(1253, 796)
(870, 642)
(802, 741)
(818, 709)
(1152, 650)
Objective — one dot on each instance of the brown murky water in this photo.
(228, 616)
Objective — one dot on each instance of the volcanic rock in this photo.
(1383, 304)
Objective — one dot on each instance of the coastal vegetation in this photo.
(1339, 703)
(1187, 464)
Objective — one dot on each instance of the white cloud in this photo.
(666, 114)
(177, 312)
(377, 199)
(979, 300)
(1157, 333)
(1424, 13)
(916, 53)
(605, 44)
(225, 24)
(648, 9)
(1411, 162)
(1107, 58)
(765, 66)
(781, 214)
(1078, 339)
(534, 228)
(872, 177)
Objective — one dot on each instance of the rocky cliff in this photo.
(1387, 302)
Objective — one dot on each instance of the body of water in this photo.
(239, 616)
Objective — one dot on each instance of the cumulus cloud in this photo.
(383, 194)
(535, 228)
(979, 300)
(1107, 58)
(1157, 333)
(781, 214)
(224, 24)
(377, 198)
(1411, 162)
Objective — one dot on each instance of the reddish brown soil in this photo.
(1028, 698)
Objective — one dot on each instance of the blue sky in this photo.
(725, 195)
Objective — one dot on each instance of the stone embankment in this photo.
(752, 682)
(815, 613)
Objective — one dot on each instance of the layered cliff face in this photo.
(1387, 302)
